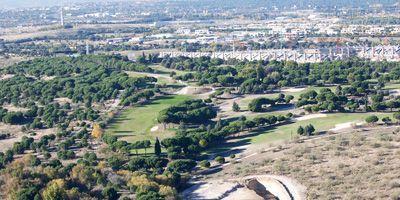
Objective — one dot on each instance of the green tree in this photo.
(110, 193)
(372, 119)
(235, 107)
(300, 130)
(386, 120)
(55, 190)
(397, 116)
(309, 129)
(157, 147)
(220, 159)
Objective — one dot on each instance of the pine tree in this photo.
(235, 107)
(157, 147)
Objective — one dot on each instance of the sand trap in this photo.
(346, 125)
(154, 129)
(312, 116)
(293, 89)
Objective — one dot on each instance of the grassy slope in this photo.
(321, 124)
(135, 122)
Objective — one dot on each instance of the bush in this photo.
(232, 156)
(372, 119)
(220, 159)
(205, 164)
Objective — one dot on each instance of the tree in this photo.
(220, 159)
(300, 130)
(157, 147)
(55, 190)
(181, 165)
(235, 107)
(372, 119)
(397, 116)
(110, 193)
(386, 120)
(205, 164)
(309, 129)
(203, 143)
(97, 132)
(145, 144)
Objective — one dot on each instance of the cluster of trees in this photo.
(349, 98)
(261, 104)
(307, 130)
(189, 142)
(265, 76)
(190, 111)
(325, 100)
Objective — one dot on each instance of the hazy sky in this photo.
(36, 3)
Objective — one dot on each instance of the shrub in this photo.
(205, 164)
(220, 159)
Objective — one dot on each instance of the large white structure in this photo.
(389, 53)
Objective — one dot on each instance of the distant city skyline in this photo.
(9, 4)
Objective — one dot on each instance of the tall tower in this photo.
(87, 48)
(62, 16)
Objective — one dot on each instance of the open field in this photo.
(284, 132)
(353, 165)
(136, 122)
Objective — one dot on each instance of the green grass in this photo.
(159, 69)
(392, 86)
(281, 133)
(135, 123)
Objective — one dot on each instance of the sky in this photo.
(36, 3)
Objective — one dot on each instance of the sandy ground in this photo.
(47, 78)
(395, 92)
(311, 116)
(293, 89)
(282, 187)
(6, 76)
(346, 125)
(12, 108)
(63, 100)
(154, 128)
(17, 135)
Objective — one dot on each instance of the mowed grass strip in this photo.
(284, 132)
(134, 123)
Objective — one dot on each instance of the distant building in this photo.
(183, 31)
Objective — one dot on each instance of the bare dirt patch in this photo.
(12, 108)
(311, 116)
(295, 89)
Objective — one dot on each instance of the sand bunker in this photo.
(312, 116)
(346, 125)
(154, 129)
